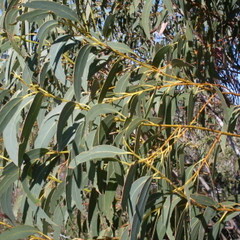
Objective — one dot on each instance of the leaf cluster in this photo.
(118, 118)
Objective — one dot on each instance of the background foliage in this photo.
(120, 119)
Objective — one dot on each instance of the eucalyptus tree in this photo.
(119, 119)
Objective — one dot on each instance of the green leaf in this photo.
(10, 132)
(127, 185)
(98, 152)
(76, 190)
(28, 125)
(208, 215)
(168, 5)
(9, 176)
(122, 83)
(163, 223)
(35, 153)
(19, 232)
(216, 230)
(56, 51)
(8, 110)
(99, 109)
(120, 47)
(92, 213)
(60, 10)
(48, 127)
(109, 81)
(204, 200)
(125, 234)
(6, 204)
(107, 28)
(9, 24)
(54, 198)
(134, 124)
(44, 31)
(145, 21)
(180, 63)
(64, 115)
(10, 138)
(40, 213)
(32, 15)
(180, 230)
(230, 216)
(159, 57)
(143, 183)
(189, 30)
(30, 195)
(81, 70)
(190, 107)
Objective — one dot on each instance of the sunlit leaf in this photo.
(18, 232)
(145, 21)
(59, 9)
(81, 70)
(99, 152)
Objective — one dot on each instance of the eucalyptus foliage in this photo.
(119, 119)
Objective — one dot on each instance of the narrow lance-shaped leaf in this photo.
(145, 22)
(48, 128)
(166, 213)
(107, 28)
(10, 27)
(43, 32)
(80, 69)
(190, 107)
(56, 50)
(127, 185)
(65, 114)
(31, 16)
(35, 153)
(9, 176)
(99, 109)
(59, 9)
(98, 152)
(180, 63)
(7, 112)
(109, 81)
(144, 184)
(28, 124)
(11, 130)
(204, 200)
(19, 232)
(6, 204)
(120, 47)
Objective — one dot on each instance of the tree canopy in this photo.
(119, 119)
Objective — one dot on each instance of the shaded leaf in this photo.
(28, 124)
(160, 55)
(44, 31)
(180, 63)
(204, 200)
(107, 28)
(64, 115)
(109, 81)
(144, 184)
